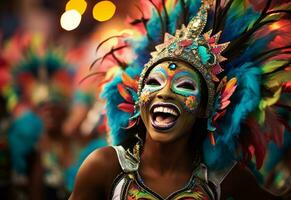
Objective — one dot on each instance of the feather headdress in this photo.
(247, 87)
(39, 75)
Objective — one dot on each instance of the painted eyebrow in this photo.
(159, 69)
(184, 73)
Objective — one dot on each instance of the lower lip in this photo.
(165, 127)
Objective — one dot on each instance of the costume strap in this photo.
(217, 176)
(201, 172)
(126, 161)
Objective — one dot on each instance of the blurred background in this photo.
(51, 115)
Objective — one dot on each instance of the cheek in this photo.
(191, 102)
(144, 98)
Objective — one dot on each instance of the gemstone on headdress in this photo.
(178, 51)
(185, 42)
(203, 54)
(154, 54)
(217, 69)
(172, 66)
(168, 37)
(202, 51)
(160, 47)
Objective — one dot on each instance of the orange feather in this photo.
(129, 82)
(124, 93)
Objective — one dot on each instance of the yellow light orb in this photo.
(70, 20)
(275, 26)
(103, 11)
(78, 5)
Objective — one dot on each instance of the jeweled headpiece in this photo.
(245, 109)
(188, 45)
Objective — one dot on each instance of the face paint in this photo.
(156, 80)
(187, 84)
(144, 97)
(182, 82)
(191, 103)
(171, 94)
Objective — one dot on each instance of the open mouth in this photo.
(164, 115)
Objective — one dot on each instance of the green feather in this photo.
(273, 65)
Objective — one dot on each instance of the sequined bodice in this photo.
(130, 186)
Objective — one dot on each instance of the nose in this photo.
(166, 93)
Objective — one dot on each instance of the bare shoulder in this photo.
(96, 175)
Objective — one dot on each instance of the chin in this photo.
(162, 138)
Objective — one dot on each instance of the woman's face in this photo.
(170, 100)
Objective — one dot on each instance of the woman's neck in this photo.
(168, 157)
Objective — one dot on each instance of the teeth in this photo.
(165, 110)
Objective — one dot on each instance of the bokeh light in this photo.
(275, 26)
(70, 20)
(103, 10)
(78, 5)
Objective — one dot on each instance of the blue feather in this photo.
(117, 119)
(154, 28)
(23, 139)
(177, 14)
(249, 53)
(244, 101)
(237, 23)
(193, 7)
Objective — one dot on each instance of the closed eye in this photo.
(186, 85)
(153, 82)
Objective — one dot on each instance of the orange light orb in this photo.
(104, 10)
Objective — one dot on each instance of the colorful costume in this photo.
(247, 76)
(129, 184)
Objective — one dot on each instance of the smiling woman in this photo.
(161, 109)
(165, 108)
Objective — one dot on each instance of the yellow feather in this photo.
(268, 101)
(230, 84)
(170, 4)
(273, 65)
(276, 79)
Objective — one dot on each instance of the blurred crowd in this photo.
(51, 115)
(50, 121)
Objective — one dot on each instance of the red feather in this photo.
(218, 115)
(131, 124)
(273, 127)
(224, 104)
(126, 107)
(254, 142)
(124, 93)
(211, 137)
(287, 87)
